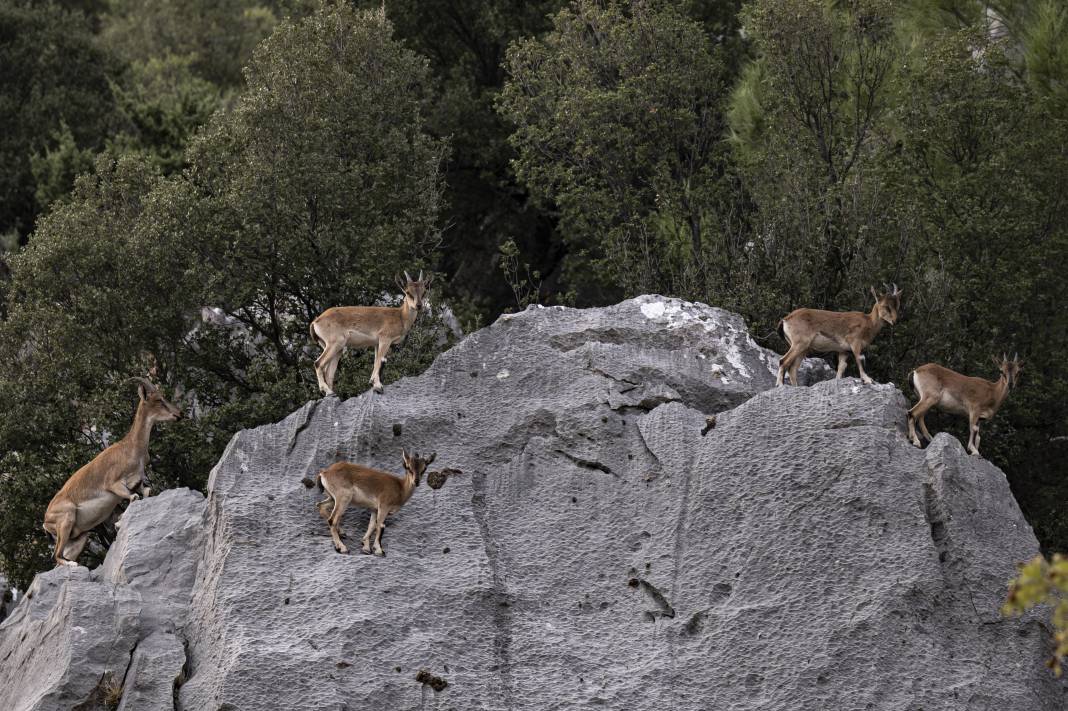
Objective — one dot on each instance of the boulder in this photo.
(597, 549)
(77, 636)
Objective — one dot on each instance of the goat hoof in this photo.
(378, 388)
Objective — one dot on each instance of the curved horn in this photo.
(896, 290)
(144, 381)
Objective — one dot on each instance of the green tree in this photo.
(216, 37)
(54, 75)
(1044, 582)
(803, 120)
(321, 185)
(89, 295)
(314, 190)
(618, 126)
(465, 42)
(978, 177)
(162, 103)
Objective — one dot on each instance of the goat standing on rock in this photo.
(372, 489)
(379, 327)
(975, 398)
(90, 496)
(840, 332)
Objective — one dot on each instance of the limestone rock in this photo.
(595, 551)
(68, 643)
(155, 669)
(156, 553)
(600, 552)
(66, 637)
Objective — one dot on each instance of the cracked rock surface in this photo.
(596, 551)
(75, 631)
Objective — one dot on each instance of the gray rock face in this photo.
(597, 550)
(155, 668)
(70, 639)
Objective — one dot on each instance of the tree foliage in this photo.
(617, 126)
(54, 87)
(317, 188)
(791, 154)
(465, 42)
(1044, 582)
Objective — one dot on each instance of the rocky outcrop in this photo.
(70, 642)
(596, 551)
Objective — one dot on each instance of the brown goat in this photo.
(90, 496)
(840, 332)
(949, 391)
(377, 327)
(383, 493)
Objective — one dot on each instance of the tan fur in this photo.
(841, 332)
(372, 489)
(90, 496)
(377, 327)
(949, 391)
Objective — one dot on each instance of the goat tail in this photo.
(315, 336)
(317, 481)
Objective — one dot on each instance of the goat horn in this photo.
(420, 275)
(406, 275)
(144, 381)
(1016, 357)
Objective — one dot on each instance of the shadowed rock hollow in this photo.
(597, 551)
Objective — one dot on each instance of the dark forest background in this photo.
(190, 183)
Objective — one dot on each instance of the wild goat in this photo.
(379, 327)
(372, 489)
(840, 332)
(90, 496)
(947, 390)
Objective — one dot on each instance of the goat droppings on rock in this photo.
(434, 682)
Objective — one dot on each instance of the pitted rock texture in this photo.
(598, 551)
(74, 632)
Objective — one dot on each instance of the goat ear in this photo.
(141, 391)
(400, 282)
(429, 279)
(997, 362)
(431, 458)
